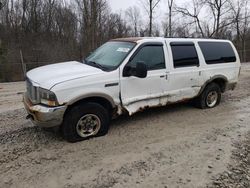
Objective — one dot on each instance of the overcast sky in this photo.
(120, 5)
(117, 5)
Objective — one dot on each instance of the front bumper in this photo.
(44, 116)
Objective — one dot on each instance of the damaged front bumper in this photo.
(42, 115)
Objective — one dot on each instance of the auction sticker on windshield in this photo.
(125, 50)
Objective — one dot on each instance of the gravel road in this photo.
(174, 146)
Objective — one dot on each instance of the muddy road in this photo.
(174, 146)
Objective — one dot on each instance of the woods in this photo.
(49, 31)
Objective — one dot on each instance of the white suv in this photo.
(128, 75)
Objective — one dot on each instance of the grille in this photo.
(32, 92)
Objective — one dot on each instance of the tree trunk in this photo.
(170, 21)
(150, 17)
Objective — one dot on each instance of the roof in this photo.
(137, 39)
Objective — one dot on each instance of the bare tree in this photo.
(90, 14)
(194, 14)
(150, 6)
(219, 8)
(133, 15)
(170, 11)
(2, 4)
(241, 16)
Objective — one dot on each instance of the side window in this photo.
(152, 56)
(184, 55)
(217, 52)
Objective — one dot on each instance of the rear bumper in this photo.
(44, 116)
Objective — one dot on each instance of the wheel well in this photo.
(99, 100)
(221, 82)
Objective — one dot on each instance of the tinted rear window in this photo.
(217, 52)
(184, 55)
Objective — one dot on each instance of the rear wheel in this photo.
(85, 121)
(210, 97)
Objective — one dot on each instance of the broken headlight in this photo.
(47, 97)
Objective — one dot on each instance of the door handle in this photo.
(164, 76)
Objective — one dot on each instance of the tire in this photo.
(72, 125)
(204, 100)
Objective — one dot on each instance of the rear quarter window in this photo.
(217, 52)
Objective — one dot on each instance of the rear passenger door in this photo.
(184, 74)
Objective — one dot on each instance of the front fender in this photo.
(94, 94)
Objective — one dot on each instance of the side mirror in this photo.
(141, 70)
(127, 71)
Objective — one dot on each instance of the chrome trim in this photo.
(44, 116)
(32, 92)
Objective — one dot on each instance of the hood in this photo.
(50, 75)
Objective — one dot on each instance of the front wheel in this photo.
(85, 121)
(210, 97)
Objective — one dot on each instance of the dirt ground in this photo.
(174, 146)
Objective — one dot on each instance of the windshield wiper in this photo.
(94, 64)
(98, 65)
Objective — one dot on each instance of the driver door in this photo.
(138, 93)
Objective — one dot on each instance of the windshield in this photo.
(110, 55)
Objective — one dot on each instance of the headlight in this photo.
(47, 97)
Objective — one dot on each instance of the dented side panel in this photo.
(163, 99)
(139, 93)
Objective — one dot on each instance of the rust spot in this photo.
(130, 39)
(143, 108)
(28, 102)
(148, 107)
(184, 100)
